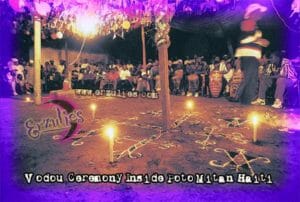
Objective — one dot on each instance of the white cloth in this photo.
(229, 75)
(124, 74)
(85, 65)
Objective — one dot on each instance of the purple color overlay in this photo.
(288, 190)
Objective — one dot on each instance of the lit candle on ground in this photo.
(110, 132)
(189, 105)
(27, 99)
(255, 123)
(93, 108)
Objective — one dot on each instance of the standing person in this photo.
(267, 77)
(249, 52)
(287, 78)
(14, 70)
(193, 80)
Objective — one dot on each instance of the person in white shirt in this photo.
(124, 73)
(85, 64)
(14, 69)
(61, 67)
(125, 79)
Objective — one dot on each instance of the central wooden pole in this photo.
(162, 40)
(165, 90)
(67, 56)
(143, 46)
(37, 61)
(68, 72)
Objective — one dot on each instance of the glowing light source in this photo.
(59, 35)
(255, 121)
(27, 99)
(86, 25)
(126, 25)
(189, 105)
(93, 107)
(110, 133)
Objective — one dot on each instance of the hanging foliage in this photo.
(88, 18)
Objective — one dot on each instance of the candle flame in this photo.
(93, 107)
(255, 119)
(189, 104)
(110, 131)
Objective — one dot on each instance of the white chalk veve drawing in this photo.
(239, 160)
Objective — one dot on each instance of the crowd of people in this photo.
(17, 78)
(189, 77)
(186, 77)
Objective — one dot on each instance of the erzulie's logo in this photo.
(66, 118)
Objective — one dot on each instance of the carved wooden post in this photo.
(163, 42)
(37, 61)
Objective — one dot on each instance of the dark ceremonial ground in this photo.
(216, 137)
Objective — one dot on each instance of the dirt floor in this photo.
(214, 137)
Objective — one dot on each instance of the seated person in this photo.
(177, 77)
(228, 76)
(55, 80)
(61, 68)
(154, 77)
(85, 63)
(267, 75)
(221, 67)
(11, 78)
(5, 86)
(135, 73)
(21, 87)
(110, 77)
(202, 71)
(193, 80)
(29, 78)
(74, 79)
(142, 83)
(125, 79)
(89, 78)
(80, 82)
(287, 78)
